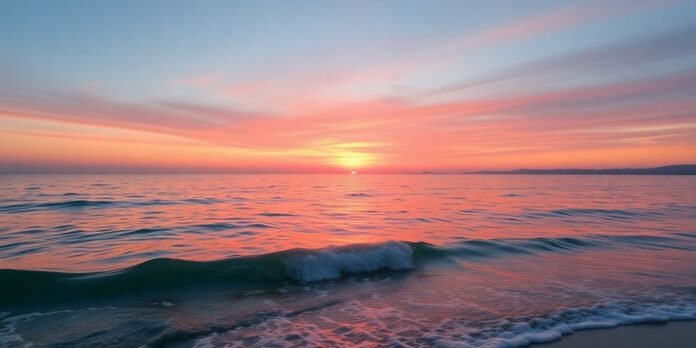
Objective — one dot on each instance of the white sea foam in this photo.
(330, 263)
(205, 342)
(520, 332)
(391, 326)
(8, 327)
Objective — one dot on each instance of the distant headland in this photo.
(679, 169)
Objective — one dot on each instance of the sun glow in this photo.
(353, 160)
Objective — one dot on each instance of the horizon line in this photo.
(164, 171)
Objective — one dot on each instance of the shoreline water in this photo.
(674, 334)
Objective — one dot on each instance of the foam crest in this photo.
(523, 331)
(330, 263)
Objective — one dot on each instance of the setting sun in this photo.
(354, 160)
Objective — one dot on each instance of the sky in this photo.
(335, 86)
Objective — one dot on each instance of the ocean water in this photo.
(340, 260)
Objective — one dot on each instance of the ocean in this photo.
(340, 260)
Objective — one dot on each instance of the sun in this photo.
(353, 160)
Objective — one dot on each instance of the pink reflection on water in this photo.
(87, 223)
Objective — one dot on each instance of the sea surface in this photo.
(340, 260)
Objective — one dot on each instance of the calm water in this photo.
(340, 260)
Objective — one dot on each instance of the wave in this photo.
(526, 330)
(594, 211)
(299, 265)
(359, 194)
(503, 246)
(609, 214)
(463, 331)
(276, 214)
(510, 331)
(83, 203)
(27, 207)
(458, 330)
(331, 263)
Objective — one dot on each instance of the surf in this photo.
(299, 265)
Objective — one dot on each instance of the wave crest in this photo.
(332, 262)
(303, 265)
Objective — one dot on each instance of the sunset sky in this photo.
(335, 86)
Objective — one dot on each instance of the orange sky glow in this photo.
(545, 89)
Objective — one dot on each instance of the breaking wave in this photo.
(298, 265)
